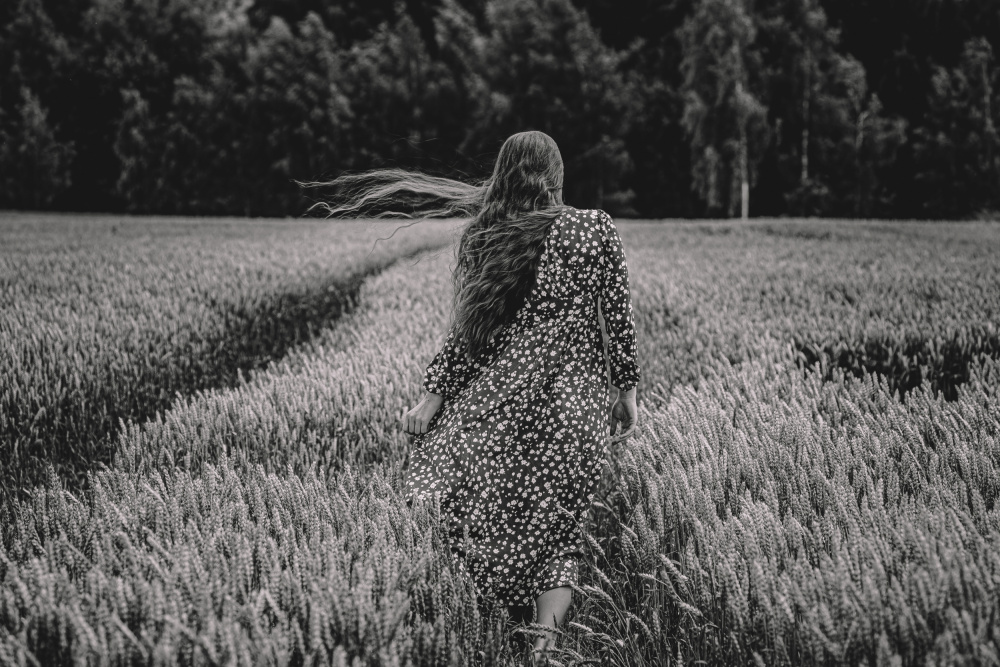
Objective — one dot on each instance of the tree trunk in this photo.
(600, 184)
(806, 94)
(859, 142)
(744, 163)
(990, 130)
(744, 174)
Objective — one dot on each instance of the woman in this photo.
(511, 432)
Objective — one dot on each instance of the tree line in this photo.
(662, 108)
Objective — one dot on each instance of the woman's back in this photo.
(582, 263)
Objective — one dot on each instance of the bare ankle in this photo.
(540, 652)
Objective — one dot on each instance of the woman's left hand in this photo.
(415, 422)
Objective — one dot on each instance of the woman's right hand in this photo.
(623, 414)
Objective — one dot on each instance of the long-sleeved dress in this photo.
(517, 447)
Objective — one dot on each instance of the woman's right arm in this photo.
(616, 307)
(619, 324)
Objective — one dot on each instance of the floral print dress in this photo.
(515, 452)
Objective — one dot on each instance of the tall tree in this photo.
(797, 52)
(957, 150)
(902, 45)
(266, 109)
(143, 45)
(644, 32)
(547, 69)
(822, 116)
(36, 152)
(878, 139)
(34, 164)
(725, 122)
(410, 105)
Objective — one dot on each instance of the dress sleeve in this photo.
(616, 307)
(449, 371)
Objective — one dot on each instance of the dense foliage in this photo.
(873, 108)
(780, 504)
(110, 319)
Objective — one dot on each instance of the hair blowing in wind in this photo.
(499, 249)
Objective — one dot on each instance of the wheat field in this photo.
(814, 479)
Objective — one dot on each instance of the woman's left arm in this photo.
(418, 420)
(449, 372)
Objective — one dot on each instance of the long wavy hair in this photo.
(499, 249)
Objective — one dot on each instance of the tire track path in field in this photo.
(332, 402)
(253, 336)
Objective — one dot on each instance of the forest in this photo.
(662, 108)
